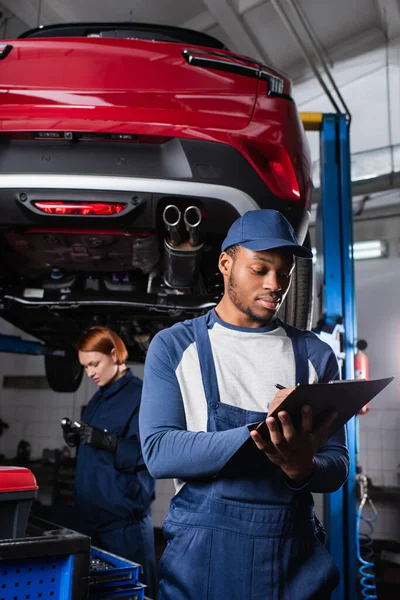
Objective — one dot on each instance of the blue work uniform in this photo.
(114, 491)
(238, 528)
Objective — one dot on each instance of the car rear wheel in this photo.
(64, 374)
(298, 305)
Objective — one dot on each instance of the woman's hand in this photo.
(98, 438)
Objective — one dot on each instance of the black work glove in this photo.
(70, 433)
(71, 438)
(92, 436)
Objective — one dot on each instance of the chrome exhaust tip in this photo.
(192, 218)
(172, 217)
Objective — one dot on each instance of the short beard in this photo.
(235, 299)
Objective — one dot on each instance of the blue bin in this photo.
(130, 593)
(51, 563)
(49, 578)
(110, 571)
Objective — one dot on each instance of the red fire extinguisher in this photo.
(361, 370)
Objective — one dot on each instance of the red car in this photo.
(127, 150)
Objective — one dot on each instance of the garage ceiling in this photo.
(340, 28)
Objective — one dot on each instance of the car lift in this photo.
(16, 345)
(335, 268)
(335, 265)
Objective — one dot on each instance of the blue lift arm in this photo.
(16, 345)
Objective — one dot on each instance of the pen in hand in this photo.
(282, 387)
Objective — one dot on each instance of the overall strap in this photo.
(300, 352)
(206, 359)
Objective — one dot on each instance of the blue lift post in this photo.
(335, 252)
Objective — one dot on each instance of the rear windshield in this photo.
(161, 33)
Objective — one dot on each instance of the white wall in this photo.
(377, 288)
(35, 415)
(378, 312)
(378, 291)
(363, 83)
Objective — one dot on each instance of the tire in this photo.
(298, 305)
(64, 374)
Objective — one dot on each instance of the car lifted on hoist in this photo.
(126, 152)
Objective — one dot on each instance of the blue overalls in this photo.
(247, 536)
(114, 491)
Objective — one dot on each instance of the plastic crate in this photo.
(51, 563)
(130, 593)
(110, 571)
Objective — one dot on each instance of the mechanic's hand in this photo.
(71, 437)
(279, 397)
(92, 436)
(70, 433)
(293, 451)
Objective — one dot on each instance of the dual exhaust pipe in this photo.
(192, 219)
(181, 258)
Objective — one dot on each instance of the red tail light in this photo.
(94, 209)
(278, 172)
(285, 177)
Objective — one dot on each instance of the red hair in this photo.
(104, 340)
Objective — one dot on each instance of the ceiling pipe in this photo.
(292, 30)
(294, 5)
(39, 14)
(385, 28)
(313, 36)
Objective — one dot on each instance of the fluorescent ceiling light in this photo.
(365, 250)
(371, 249)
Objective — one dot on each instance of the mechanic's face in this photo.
(256, 283)
(102, 368)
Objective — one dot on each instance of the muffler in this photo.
(182, 259)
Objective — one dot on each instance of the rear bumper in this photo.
(222, 203)
(215, 173)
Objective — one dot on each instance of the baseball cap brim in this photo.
(271, 244)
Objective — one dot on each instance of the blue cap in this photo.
(264, 229)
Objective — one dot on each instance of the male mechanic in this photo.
(242, 523)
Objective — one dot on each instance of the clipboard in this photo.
(344, 397)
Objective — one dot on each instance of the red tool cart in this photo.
(17, 490)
